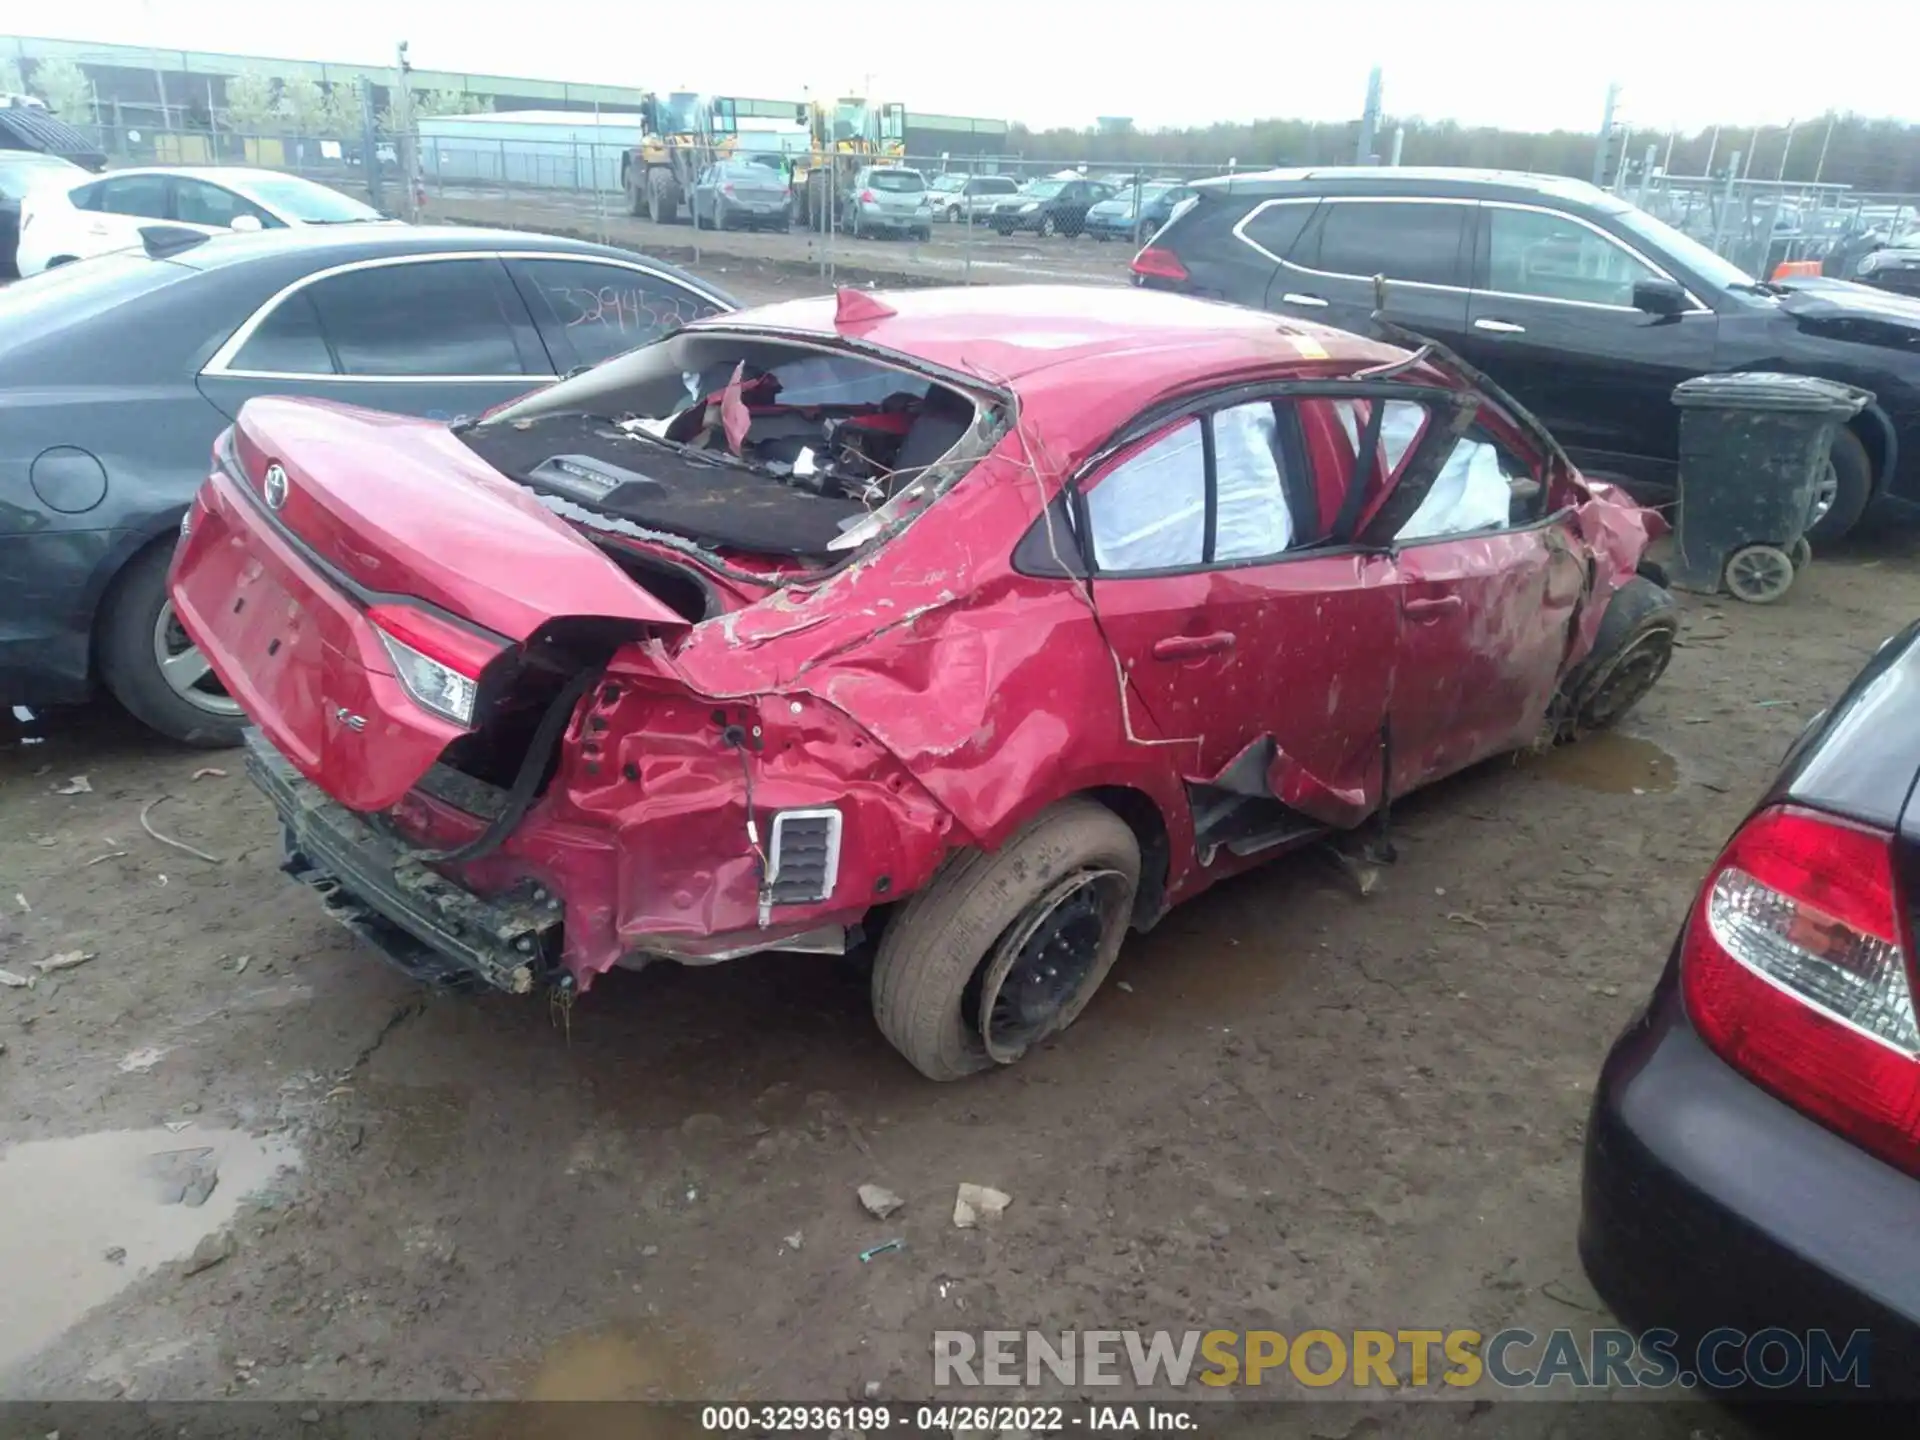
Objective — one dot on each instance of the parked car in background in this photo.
(1590, 311)
(61, 223)
(958, 198)
(1115, 218)
(806, 647)
(741, 195)
(20, 170)
(1753, 1155)
(117, 374)
(1895, 266)
(889, 200)
(1049, 207)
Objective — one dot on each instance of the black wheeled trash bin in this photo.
(1753, 449)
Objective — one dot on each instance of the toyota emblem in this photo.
(275, 488)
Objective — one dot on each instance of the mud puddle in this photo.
(624, 1361)
(87, 1216)
(1609, 763)
(630, 1360)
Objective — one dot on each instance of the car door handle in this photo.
(1500, 327)
(1313, 302)
(1434, 607)
(1185, 647)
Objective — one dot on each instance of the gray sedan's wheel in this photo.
(151, 666)
(1845, 485)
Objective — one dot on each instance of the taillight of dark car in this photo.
(1158, 264)
(1797, 969)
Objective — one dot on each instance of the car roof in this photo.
(1462, 181)
(219, 174)
(372, 240)
(1069, 343)
(133, 317)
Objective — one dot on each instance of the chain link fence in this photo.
(971, 219)
(963, 220)
(1761, 224)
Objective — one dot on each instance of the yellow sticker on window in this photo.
(1309, 347)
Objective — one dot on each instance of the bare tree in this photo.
(10, 81)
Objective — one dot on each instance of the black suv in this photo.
(1589, 310)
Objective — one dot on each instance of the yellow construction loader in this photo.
(843, 138)
(680, 135)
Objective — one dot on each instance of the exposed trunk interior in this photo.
(733, 442)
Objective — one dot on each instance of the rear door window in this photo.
(587, 311)
(288, 342)
(195, 202)
(1153, 512)
(1402, 240)
(143, 195)
(1274, 228)
(444, 318)
(1150, 511)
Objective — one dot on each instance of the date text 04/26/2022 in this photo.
(946, 1420)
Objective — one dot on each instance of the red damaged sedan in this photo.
(977, 625)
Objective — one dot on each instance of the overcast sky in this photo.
(1164, 62)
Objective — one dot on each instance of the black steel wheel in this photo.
(1037, 979)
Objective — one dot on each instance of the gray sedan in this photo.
(117, 373)
(742, 195)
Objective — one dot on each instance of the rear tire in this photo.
(133, 614)
(938, 946)
(1629, 656)
(1852, 482)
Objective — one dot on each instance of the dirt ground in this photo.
(955, 255)
(1290, 1106)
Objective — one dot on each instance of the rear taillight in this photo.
(438, 664)
(1797, 970)
(1159, 264)
(866, 197)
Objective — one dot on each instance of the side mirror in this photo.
(1659, 297)
(246, 224)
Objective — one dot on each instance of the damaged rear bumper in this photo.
(379, 887)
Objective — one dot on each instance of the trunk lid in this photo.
(324, 519)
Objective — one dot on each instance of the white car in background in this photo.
(64, 222)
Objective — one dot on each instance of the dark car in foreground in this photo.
(1590, 311)
(781, 634)
(1753, 1156)
(116, 374)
